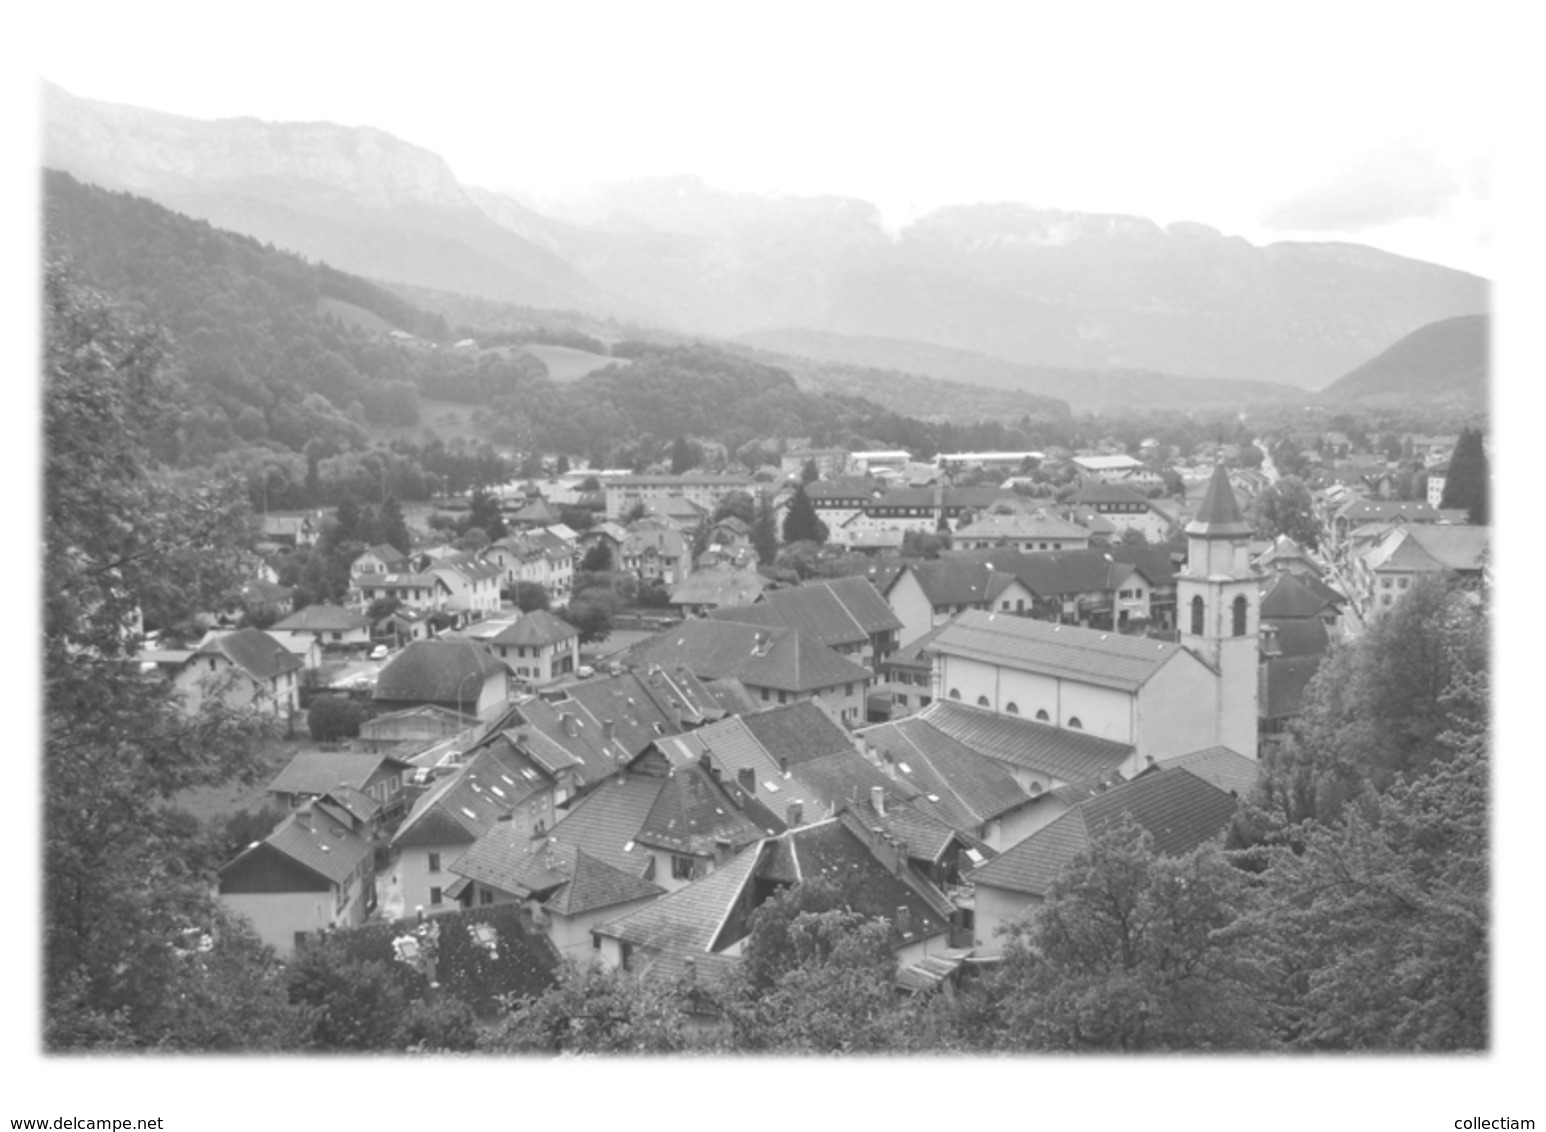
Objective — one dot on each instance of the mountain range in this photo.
(1050, 298)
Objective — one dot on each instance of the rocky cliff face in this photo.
(147, 151)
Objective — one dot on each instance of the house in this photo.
(1126, 507)
(406, 625)
(1119, 588)
(1179, 809)
(829, 461)
(419, 726)
(1106, 468)
(773, 663)
(537, 513)
(848, 615)
(1280, 695)
(868, 462)
(1036, 531)
(906, 680)
(380, 559)
(1287, 556)
(567, 890)
(676, 512)
(459, 676)
(924, 594)
(705, 490)
(656, 554)
(244, 668)
(1382, 573)
(311, 774)
(710, 589)
(711, 916)
(422, 591)
(297, 530)
(1438, 476)
(539, 648)
(311, 873)
(332, 627)
(1361, 512)
(472, 585)
(1229, 770)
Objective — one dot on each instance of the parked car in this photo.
(584, 671)
(379, 652)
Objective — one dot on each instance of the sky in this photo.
(1369, 122)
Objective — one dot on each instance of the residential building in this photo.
(924, 594)
(1382, 573)
(459, 676)
(472, 585)
(539, 648)
(1126, 507)
(703, 489)
(1026, 532)
(848, 615)
(423, 591)
(380, 559)
(706, 590)
(311, 774)
(656, 554)
(243, 668)
(332, 627)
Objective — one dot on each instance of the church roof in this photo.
(1218, 516)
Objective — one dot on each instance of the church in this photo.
(1161, 698)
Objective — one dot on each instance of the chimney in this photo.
(1269, 640)
(747, 777)
(783, 765)
(722, 851)
(794, 814)
(878, 800)
(606, 730)
(904, 919)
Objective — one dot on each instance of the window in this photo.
(955, 693)
(434, 862)
(1385, 582)
(848, 689)
(485, 896)
(1197, 616)
(783, 697)
(982, 701)
(1073, 721)
(1011, 708)
(1402, 582)
(1042, 716)
(1387, 599)
(434, 896)
(1240, 609)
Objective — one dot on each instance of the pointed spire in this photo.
(1219, 515)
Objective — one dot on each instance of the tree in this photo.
(592, 616)
(800, 521)
(1132, 951)
(529, 596)
(484, 513)
(736, 505)
(685, 455)
(592, 1010)
(562, 467)
(118, 539)
(765, 532)
(331, 718)
(810, 473)
(1285, 508)
(356, 1004)
(394, 528)
(1467, 486)
(638, 511)
(598, 559)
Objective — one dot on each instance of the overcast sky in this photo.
(1365, 122)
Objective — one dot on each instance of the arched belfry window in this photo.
(955, 693)
(1239, 619)
(1011, 708)
(1197, 616)
(982, 701)
(1073, 721)
(1042, 716)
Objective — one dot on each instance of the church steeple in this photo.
(1219, 516)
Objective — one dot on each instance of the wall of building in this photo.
(996, 907)
(415, 878)
(277, 916)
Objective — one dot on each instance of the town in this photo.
(946, 681)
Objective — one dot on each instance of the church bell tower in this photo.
(1218, 610)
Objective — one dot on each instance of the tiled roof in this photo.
(470, 568)
(1178, 809)
(972, 788)
(781, 659)
(1282, 685)
(316, 772)
(693, 479)
(1218, 515)
(594, 885)
(842, 487)
(437, 672)
(387, 553)
(797, 732)
(322, 618)
(836, 612)
(953, 580)
(459, 808)
(606, 821)
(316, 841)
(358, 804)
(662, 540)
(692, 812)
(1070, 756)
(1090, 656)
(691, 918)
(1051, 573)
(1229, 770)
(837, 780)
(537, 628)
(1301, 637)
(506, 857)
(911, 655)
(1289, 597)
(253, 651)
(1021, 526)
(561, 732)
(641, 706)
(401, 581)
(1452, 547)
(719, 588)
(1098, 492)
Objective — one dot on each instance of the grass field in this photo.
(207, 802)
(567, 364)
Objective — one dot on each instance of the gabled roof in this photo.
(595, 884)
(797, 732)
(1218, 515)
(536, 629)
(253, 651)
(954, 580)
(316, 842)
(1288, 597)
(467, 567)
(1178, 809)
(1070, 756)
(1038, 525)
(1089, 656)
(660, 540)
(605, 822)
(323, 618)
(719, 588)
(1098, 492)
(1377, 510)
(1433, 547)
(972, 789)
(1054, 573)
(693, 812)
(317, 772)
(506, 857)
(781, 659)
(437, 672)
(386, 553)
(692, 918)
(560, 734)
(1227, 769)
(1300, 637)
(459, 808)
